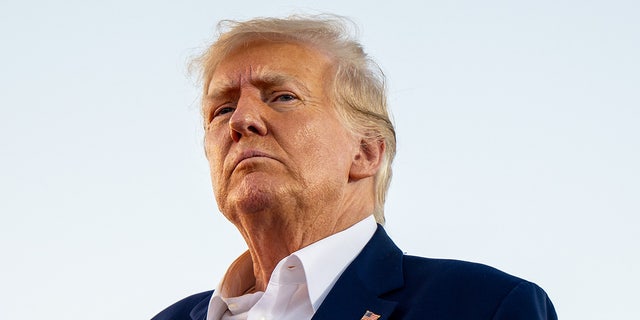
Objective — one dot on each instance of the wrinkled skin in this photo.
(285, 170)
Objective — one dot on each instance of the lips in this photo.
(248, 154)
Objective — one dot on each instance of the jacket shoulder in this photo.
(456, 271)
(467, 290)
(191, 307)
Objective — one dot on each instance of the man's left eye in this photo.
(284, 97)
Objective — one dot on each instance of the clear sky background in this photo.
(518, 146)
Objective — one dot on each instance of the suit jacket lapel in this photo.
(375, 271)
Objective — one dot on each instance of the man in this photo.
(300, 147)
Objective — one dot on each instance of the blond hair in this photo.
(358, 86)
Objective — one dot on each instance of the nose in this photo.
(248, 117)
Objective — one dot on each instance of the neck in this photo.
(273, 235)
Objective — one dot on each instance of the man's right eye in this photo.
(223, 110)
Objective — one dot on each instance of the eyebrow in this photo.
(220, 88)
(260, 78)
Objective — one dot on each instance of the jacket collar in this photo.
(199, 312)
(374, 272)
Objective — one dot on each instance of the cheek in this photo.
(215, 155)
(332, 147)
(214, 141)
(209, 150)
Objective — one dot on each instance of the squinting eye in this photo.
(285, 97)
(223, 110)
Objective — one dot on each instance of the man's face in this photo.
(273, 137)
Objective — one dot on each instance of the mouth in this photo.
(249, 154)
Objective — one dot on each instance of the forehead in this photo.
(270, 61)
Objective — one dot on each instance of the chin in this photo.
(253, 198)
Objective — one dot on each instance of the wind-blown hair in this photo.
(359, 92)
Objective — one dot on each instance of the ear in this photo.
(368, 159)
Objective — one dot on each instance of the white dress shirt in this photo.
(298, 284)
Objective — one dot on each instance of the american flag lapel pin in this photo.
(370, 316)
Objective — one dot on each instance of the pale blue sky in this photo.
(518, 147)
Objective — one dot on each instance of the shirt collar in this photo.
(322, 263)
(239, 277)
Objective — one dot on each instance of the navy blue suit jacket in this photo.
(386, 282)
